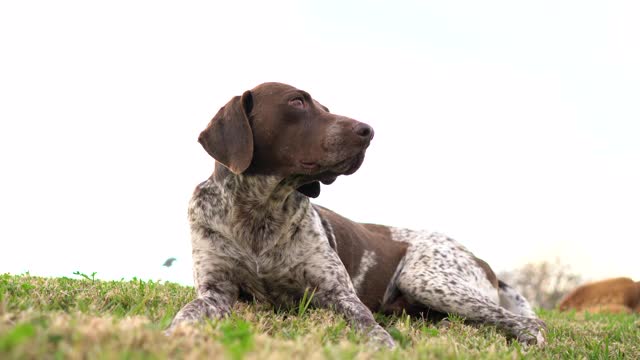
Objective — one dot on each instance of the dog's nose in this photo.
(364, 131)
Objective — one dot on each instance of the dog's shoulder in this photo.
(326, 225)
(209, 208)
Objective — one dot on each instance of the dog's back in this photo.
(611, 295)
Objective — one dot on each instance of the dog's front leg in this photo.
(358, 315)
(333, 289)
(214, 281)
(210, 304)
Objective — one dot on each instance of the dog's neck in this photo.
(266, 192)
(260, 209)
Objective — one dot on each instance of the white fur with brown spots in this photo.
(256, 234)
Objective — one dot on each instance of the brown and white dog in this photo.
(617, 295)
(255, 234)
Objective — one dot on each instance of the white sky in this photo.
(513, 127)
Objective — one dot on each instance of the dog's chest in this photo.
(265, 250)
(269, 257)
(274, 274)
(270, 278)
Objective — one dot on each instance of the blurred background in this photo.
(512, 127)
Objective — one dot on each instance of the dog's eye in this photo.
(297, 102)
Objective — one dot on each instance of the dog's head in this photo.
(276, 129)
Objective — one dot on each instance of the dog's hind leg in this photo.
(511, 300)
(443, 275)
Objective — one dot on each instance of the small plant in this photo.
(305, 301)
(455, 319)
(237, 337)
(17, 335)
(92, 278)
(400, 338)
(429, 331)
(333, 333)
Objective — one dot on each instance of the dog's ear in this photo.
(228, 137)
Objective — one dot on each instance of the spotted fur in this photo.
(254, 231)
(444, 275)
(257, 235)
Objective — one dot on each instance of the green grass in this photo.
(66, 318)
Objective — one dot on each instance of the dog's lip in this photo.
(356, 165)
(355, 161)
(345, 167)
(328, 173)
(328, 180)
(309, 165)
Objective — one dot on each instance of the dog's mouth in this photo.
(345, 167)
(350, 165)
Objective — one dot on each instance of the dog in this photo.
(617, 295)
(256, 235)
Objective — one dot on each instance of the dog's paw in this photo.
(380, 336)
(532, 332)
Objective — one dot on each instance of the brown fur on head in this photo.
(276, 129)
(610, 295)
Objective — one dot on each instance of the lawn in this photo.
(85, 318)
